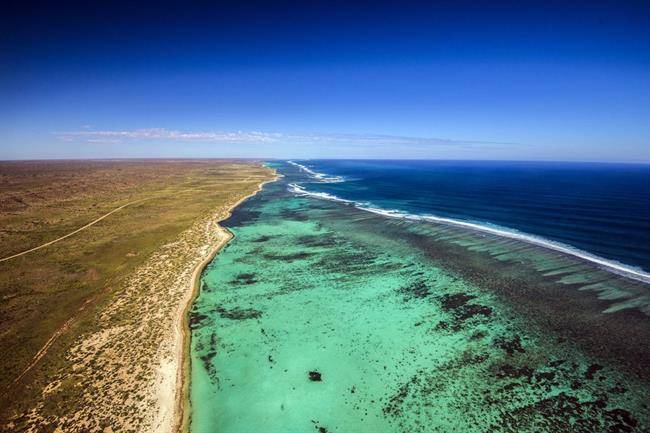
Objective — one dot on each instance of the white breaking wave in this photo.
(609, 265)
(320, 177)
(297, 189)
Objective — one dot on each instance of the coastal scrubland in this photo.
(89, 324)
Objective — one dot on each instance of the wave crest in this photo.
(320, 177)
(606, 264)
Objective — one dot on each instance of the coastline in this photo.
(181, 404)
(133, 327)
(436, 323)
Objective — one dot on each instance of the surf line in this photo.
(609, 265)
(321, 177)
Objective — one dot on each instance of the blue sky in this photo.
(452, 80)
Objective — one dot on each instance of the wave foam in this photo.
(320, 177)
(606, 264)
(297, 189)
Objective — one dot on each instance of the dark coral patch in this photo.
(244, 279)
(317, 241)
(239, 313)
(288, 257)
(241, 216)
(462, 310)
(567, 413)
(288, 214)
(455, 301)
(417, 290)
(196, 319)
(207, 358)
(510, 346)
(593, 369)
(507, 371)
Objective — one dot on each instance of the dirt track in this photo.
(74, 232)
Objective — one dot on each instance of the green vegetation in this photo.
(60, 290)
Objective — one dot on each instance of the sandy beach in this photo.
(180, 369)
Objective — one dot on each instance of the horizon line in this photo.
(234, 158)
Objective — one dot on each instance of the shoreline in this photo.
(501, 314)
(181, 410)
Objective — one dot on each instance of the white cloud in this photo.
(168, 135)
(259, 137)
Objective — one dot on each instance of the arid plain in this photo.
(91, 318)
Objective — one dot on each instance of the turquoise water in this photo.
(322, 317)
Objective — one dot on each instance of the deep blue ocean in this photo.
(600, 209)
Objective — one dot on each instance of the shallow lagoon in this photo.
(411, 326)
